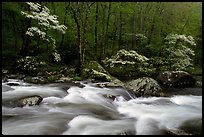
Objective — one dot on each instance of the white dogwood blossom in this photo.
(179, 51)
(140, 36)
(46, 22)
(56, 56)
(175, 38)
(125, 57)
(33, 30)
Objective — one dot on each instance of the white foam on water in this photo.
(85, 111)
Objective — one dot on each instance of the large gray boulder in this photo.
(145, 86)
(29, 101)
(176, 79)
(24, 101)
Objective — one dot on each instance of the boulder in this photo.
(176, 79)
(144, 86)
(64, 79)
(23, 101)
(35, 80)
(99, 76)
(109, 96)
(93, 70)
(29, 101)
(96, 66)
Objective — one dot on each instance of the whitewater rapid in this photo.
(88, 111)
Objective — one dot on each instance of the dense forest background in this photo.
(99, 29)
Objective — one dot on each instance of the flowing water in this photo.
(87, 110)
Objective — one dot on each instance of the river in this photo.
(86, 110)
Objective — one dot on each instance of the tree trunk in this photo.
(160, 10)
(103, 32)
(133, 31)
(182, 29)
(26, 38)
(14, 31)
(64, 22)
(96, 26)
(81, 25)
(84, 36)
(79, 65)
(120, 31)
(114, 36)
(53, 6)
(39, 40)
(107, 24)
(140, 29)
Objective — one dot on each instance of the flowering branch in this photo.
(47, 21)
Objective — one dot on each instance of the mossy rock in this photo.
(96, 66)
(29, 101)
(176, 79)
(145, 86)
(93, 70)
(25, 101)
(96, 76)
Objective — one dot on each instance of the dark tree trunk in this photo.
(81, 25)
(64, 22)
(26, 38)
(14, 31)
(103, 32)
(84, 35)
(107, 24)
(96, 28)
(120, 30)
(133, 31)
(140, 29)
(114, 48)
(39, 39)
(79, 65)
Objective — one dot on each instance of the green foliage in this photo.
(45, 22)
(126, 57)
(177, 51)
(28, 64)
(52, 79)
(129, 63)
(28, 79)
(77, 78)
(119, 27)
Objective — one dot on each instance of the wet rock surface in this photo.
(24, 101)
(29, 101)
(176, 79)
(144, 86)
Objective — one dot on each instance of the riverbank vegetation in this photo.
(56, 40)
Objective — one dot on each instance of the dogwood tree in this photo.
(178, 50)
(45, 22)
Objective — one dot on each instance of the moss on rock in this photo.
(145, 86)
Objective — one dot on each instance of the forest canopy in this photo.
(98, 30)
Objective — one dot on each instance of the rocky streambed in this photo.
(84, 108)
